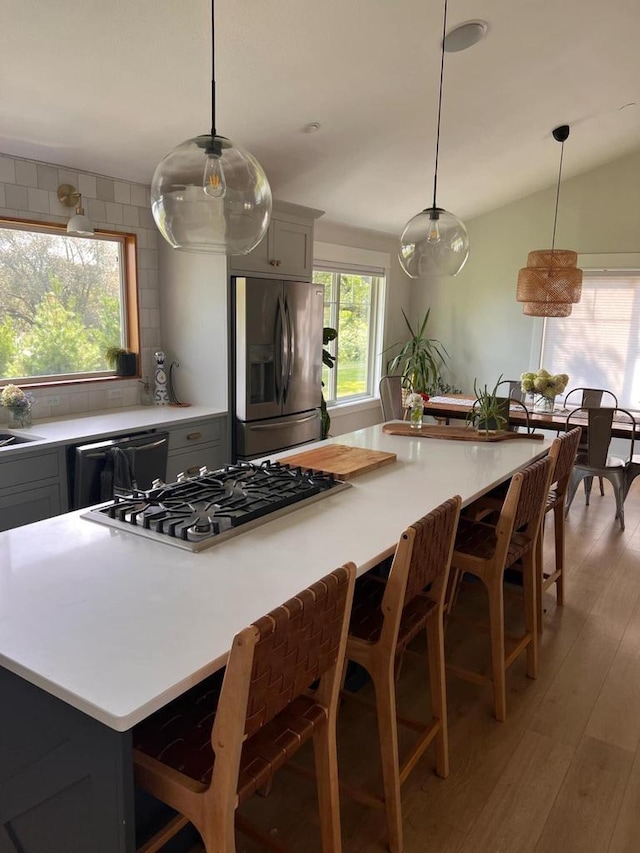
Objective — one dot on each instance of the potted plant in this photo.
(487, 414)
(328, 335)
(122, 361)
(420, 359)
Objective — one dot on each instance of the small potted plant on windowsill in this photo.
(487, 414)
(122, 361)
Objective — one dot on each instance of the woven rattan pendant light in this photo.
(551, 282)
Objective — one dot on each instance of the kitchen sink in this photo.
(9, 438)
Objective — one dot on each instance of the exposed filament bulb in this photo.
(213, 182)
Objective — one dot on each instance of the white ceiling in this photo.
(110, 87)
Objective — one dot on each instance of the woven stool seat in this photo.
(367, 616)
(180, 736)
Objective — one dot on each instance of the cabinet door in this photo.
(256, 261)
(290, 248)
(29, 505)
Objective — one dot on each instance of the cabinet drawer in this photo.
(195, 434)
(29, 505)
(189, 462)
(29, 469)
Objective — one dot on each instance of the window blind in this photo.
(598, 345)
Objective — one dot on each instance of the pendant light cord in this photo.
(555, 218)
(435, 174)
(213, 73)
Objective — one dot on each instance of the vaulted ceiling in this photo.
(110, 87)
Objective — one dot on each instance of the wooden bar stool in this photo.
(485, 551)
(563, 452)
(212, 748)
(386, 617)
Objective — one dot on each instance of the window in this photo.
(63, 301)
(351, 305)
(598, 345)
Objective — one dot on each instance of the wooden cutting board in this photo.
(343, 461)
(456, 433)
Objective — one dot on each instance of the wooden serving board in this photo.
(456, 433)
(343, 461)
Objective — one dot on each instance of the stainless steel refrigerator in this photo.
(277, 372)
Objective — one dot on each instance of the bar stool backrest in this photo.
(297, 643)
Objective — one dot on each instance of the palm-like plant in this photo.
(420, 360)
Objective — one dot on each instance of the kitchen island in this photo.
(100, 627)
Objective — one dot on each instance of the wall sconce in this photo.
(79, 225)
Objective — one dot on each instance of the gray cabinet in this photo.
(33, 486)
(286, 250)
(197, 444)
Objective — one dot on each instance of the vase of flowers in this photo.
(544, 387)
(18, 403)
(415, 404)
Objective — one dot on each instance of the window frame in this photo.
(379, 278)
(129, 308)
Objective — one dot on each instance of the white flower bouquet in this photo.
(13, 397)
(18, 402)
(414, 400)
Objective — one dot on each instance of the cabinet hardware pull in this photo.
(194, 470)
(275, 263)
(194, 436)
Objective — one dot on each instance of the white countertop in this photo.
(117, 625)
(52, 432)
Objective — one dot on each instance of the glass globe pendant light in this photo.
(434, 241)
(209, 194)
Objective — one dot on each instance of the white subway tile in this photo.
(16, 196)
(104, 188)
(122, 192)
(148, 298)
(2, 196)
(114, 213)
(47, 177)
(129, 215)
(7, 170)
(38, 200)
(26, 173)
(139, 195)
(96, 210)
(87, 186)
(68, 176)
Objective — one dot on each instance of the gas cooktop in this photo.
(198, 512)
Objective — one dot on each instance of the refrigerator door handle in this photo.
(260, 427)
(279, 350)
(290, 343)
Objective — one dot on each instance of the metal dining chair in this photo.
(212, 748)
(590, 398)
(391, 398)
(595, 461)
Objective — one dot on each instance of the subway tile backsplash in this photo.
(28, 190)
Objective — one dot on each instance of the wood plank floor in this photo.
(562, 774)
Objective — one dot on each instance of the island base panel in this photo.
(66, 780)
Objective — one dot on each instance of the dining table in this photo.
(458, 407)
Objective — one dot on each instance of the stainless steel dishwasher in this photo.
(122, 463)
